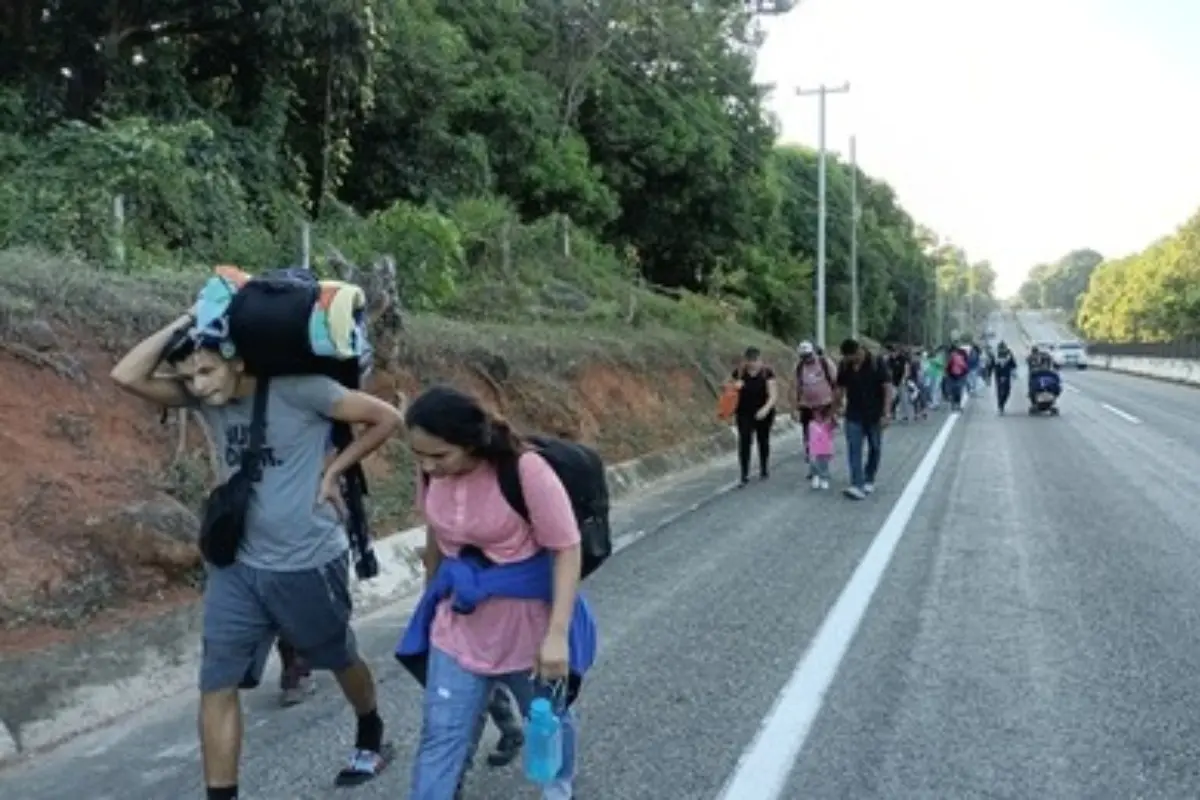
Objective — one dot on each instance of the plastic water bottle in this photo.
(543, 743)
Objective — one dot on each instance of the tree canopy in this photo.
(1060, 284)
(489, 145)
(1151, 296)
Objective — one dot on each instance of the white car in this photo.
(1070, 354)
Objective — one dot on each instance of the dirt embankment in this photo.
(97, 490)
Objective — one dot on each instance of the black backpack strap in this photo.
(252, 455)
(354, 489)
(508, 472)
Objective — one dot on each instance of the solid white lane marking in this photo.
(763, 770)
(1125, 415)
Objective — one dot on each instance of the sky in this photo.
(1019, 130)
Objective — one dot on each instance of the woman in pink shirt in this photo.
(520, 643)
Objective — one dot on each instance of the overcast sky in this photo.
(1020, 130)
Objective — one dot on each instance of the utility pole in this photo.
(821, 92)
(855, 214)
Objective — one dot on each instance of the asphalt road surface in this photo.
(1034, 634)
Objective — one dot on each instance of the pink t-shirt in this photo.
(812, 387)
(820, 439)
(502, 635)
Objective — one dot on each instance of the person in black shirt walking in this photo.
(755, 415)
(866, 383)
(1003, 368)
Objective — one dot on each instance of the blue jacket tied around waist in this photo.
(470, 580)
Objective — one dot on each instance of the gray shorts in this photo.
(246, 608)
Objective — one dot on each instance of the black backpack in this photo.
(583, 475)
(224, 523)
(268, 324)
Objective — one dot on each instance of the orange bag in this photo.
(727, 402)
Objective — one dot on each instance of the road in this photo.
(1042, 327)
(1035, 633)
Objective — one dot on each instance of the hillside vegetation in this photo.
(588, 210)
(1151, 296)
(1059, 284)
(559, 160)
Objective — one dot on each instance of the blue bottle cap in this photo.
(540, 707)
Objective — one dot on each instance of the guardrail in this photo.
(1188, 349)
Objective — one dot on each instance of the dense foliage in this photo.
(1060, 284)
(515, 156)
(1152, 296)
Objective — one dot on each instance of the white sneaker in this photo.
(824, 484)
(854, 493)
(816, 482)
(868, 487)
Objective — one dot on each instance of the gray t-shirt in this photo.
(286, 530)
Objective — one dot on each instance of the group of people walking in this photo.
(855, 394)
(491, 498)
(861, 393)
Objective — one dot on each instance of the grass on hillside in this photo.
(113, 310)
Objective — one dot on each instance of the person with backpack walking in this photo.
(755, 414)
(505, 551)
(286, 571)
(866, 384)
(958, 366)
(816, 388)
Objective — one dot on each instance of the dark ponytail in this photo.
(459, 419)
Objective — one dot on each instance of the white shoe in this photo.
(868, 487)
(825, 485)
(854, 493)
(816, 482)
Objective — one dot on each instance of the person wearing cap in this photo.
(816, 388)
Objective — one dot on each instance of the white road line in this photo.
(763, 770)
(1125, 415)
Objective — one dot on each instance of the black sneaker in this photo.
(507, 749)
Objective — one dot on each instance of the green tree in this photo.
(499, 148)
(1061, 284)
(1150, 297)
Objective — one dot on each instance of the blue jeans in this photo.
(856, 434)
(455, 700)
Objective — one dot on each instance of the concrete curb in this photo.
(1179, 371)
(55, 694)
